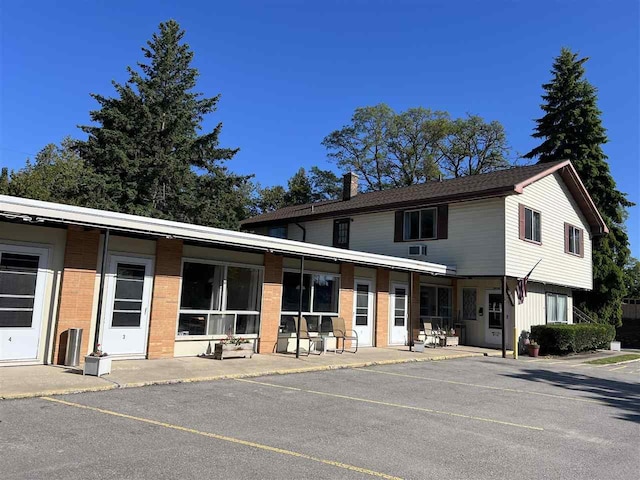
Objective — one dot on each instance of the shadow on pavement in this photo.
(621, 395)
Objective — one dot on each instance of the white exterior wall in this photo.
(556, 205)
(54, 240)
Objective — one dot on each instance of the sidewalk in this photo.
(41, 380)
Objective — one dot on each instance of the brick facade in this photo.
(382, 308)
(271, 302)
(78, 290)
(347, 271)
(165, 300)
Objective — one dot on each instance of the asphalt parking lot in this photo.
(457, 419)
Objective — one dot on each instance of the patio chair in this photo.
(340, 332)
(431, 338)
(304, 336)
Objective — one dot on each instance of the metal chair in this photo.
(340, 332)
(431, 338)
(304, 335)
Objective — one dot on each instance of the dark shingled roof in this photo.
(501, 182)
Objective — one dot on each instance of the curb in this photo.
(115, 386)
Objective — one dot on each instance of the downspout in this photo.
(300, 307)
(304, 232)
(103, 273)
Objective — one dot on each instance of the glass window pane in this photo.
(13, 319)
(536, 226)
(325, 293)
(130, 272)
(313, 322)
(15, 262)
(428, 301)
(200, 283)
(129, 290)
(247, 324)
(124, 319)
(412, 225)
(17, 283)
(13, 302)
(551, 308)
(561, 308)
(221, 324)
(325, 325)
(242, 288)
(469, 304)
(528, 232)
(361, 320)
(428, 223)
(191, 324)
(444, 302)
(291, 292)
(124, 305)
(287, 324)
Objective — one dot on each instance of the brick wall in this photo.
(165, 300)
(271, 302)
(78, 290)
(346, 296)
(382, 308)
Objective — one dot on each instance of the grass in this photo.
(617, 359)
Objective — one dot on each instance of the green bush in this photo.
(563, 339)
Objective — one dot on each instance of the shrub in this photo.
(563, 339)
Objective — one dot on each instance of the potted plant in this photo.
(233, 346)
(533, 348)
(97, 363)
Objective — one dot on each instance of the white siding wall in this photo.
(552, 199)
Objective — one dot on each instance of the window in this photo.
(219, 299)
(573, 240)
(531, 225)
(18, 275)
(495, 310)
(320, 293)
(435, 305)
(127, 305)
(420, 224)
(341, 233)
(556, 308)
(469, 307)
(278, 232)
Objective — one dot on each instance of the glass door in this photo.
(398, 330)
(363, 312)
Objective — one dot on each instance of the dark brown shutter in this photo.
(443, 221)
(567, 240)
(336, 226)
(521, 221)
(398, 232)
(581, 243)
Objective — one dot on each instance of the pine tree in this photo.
(299, 192)
(147, 144)
(571, 129)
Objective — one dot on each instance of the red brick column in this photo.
(382, 308)
(415, 306)
(271, 303)
(78, 290)
(347, 271)
(165, 301)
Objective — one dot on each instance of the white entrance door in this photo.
(493, 331)
(128, 297)
(22, 287)
(363, 312)
(398, 328)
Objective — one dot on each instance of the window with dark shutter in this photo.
(573, 240)
(341, 233)
(529, 224)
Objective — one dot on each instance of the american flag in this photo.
(521, 287)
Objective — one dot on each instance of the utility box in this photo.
(74, 343)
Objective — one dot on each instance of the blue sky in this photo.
(290, 72)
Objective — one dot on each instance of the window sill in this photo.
(420, 240)
(187, 338)
(533, 242)
(574, 254)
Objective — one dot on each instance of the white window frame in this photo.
(555, 295)
(223, 300)
(311, 296)
(533, 214)
(573, 241)
(436, 286)
(420, 210)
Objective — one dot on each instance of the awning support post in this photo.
(103, 274)
(300, 307)
(504, 316)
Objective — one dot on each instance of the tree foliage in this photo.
(389, 150)
(632, 278)
(146, 142)
(571, 129)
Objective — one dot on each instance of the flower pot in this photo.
(533, 350)
(97, 366)
(226, 350)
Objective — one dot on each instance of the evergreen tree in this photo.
(299, 191)
(4, 181)
(571, 129)
(148, 147)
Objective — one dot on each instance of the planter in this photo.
(226, 350)
(615, 346)
(418, 346)
(97, 366)
(451, 341)
(533, 350)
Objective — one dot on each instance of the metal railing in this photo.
(580, 317)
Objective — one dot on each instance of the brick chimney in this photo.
(349, 186)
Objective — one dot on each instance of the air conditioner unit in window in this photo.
(417, 250)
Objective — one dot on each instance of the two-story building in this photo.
(493, 227)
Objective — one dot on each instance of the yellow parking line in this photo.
(396, 405)
(238, 441)
(488, 387)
